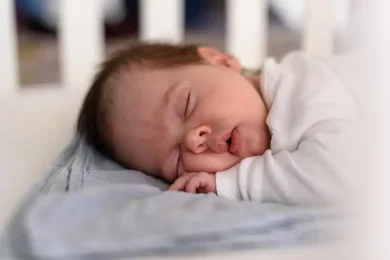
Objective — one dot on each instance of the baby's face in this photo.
(196, 118)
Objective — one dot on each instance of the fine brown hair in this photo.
(93, 124)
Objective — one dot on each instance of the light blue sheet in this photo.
(90, 208)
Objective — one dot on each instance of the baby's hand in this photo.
(195, 182)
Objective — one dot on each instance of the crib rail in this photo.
(82, 44)
(162, 20)
(318, 33)
(8, 58)
(81, 41)
(247, 24)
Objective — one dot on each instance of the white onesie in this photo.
(312, 119)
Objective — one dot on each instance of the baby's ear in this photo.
(216, 57)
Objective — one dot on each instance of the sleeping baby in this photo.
(192, 116)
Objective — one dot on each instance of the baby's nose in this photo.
(196, 139)
(199, 140)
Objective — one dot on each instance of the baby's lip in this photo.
(232, 141)
(227, 136)
(222, 145)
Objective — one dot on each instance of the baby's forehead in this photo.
(139, 93)
(137, 120)
(145, 81)
(146, 84)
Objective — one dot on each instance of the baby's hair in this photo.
(93, 123)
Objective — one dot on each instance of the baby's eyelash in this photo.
(187, 103)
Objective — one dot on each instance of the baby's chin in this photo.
(257, 152)
(169, 178)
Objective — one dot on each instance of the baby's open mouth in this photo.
(229, 141)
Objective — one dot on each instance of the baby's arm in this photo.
(313, 173)
(319, 169)
(316, 172)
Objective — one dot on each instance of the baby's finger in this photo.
(180, 183)
(193, 184)
(198, 181)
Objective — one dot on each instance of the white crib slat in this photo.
(247, 24)
(318, 34)
(8, 43)
(81, 41)
(162, 20)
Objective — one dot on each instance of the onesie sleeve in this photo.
(319, 169)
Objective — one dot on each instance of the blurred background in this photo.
(205, 23)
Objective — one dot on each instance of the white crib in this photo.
(37, 122)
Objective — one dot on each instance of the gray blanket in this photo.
(88, 207)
